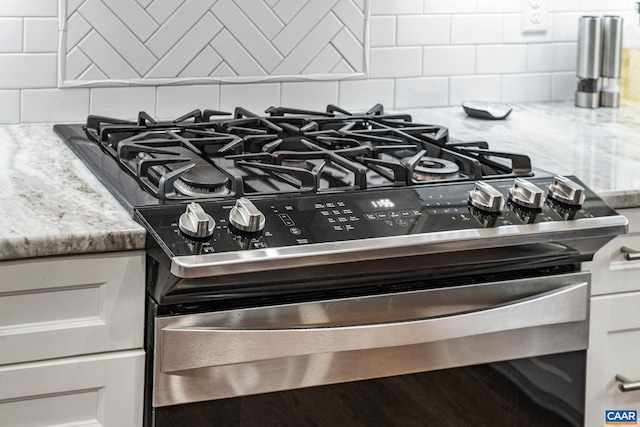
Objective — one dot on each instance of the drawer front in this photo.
(102, 390)
(67, 306)
(612, 270)
(614, 349)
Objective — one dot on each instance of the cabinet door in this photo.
(611, 270)
(71, 305)
(102, 390)
(614, 348)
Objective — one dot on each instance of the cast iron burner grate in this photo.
(214, 154)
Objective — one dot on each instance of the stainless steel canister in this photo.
(611, 54)
(589, 61)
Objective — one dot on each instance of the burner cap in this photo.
(430, 168)
(202, 180)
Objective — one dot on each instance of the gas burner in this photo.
(213, 154)
(202, 181)
(432, 169)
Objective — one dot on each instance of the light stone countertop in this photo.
(601, 147)
(51, 204)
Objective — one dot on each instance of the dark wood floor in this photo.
(476, 396)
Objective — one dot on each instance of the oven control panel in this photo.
(289, 220)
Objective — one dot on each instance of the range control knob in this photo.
(195, 222)
(526, 194)
(566, 191)
(486, 198)
(246, 217)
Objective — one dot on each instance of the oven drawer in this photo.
(100, 390)
(72, 305)
(256, 350)
(615, 267)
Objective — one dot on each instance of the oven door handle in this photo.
(201, 346)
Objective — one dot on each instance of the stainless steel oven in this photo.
(244, 352)
(330, 268)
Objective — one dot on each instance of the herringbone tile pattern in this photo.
(155, 40)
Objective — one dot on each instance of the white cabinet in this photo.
(614, 338)
(71, 338)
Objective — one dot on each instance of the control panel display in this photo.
(307, 219)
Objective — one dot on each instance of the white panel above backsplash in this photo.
(258, 53)
(127, 43)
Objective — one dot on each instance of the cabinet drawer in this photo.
(101, 390)
(614, 348)
(72, 305)
(611, 271)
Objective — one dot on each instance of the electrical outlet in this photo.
(535, 16)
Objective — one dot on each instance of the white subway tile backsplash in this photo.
(422, 92)
(77, 29)
(420, 53)
(552, 57)
(123, 102)
(350, 49)
(54, 105)
(9, 106)
(134, 17)
(92, 73)
(24, 8)
(105, 57)
(262, 16)
(307, 48)
(349, 13)
(287, 9)
(499, 6)
(309, 95)
(476, 29)
(246, 34)
(77, 62)
(176, 101)
(118, 36)
(27, 71)
(526, 87)
(498, 59)
(40, 35)
(564, 5)
(423, 30)
(395, 62)
(598, 5)
(361, 95)
(448, 60)
(186, 49)
(455, 6)
(160, 10)
(302, 23)
(396, 7)
(206, 62)
(11, 35)
(255, 97)
(474, 88)
(565, 26)
(563, 86)
(383, 31)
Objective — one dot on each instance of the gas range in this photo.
(298, 249)
(292, 192)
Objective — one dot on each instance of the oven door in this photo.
(389, 359)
